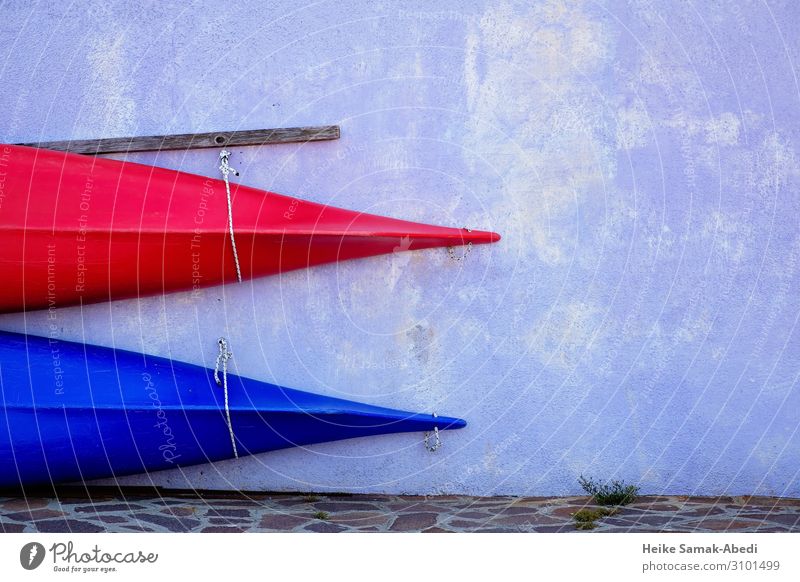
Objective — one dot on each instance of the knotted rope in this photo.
(226, 169)
(437, 442)
(222, 362)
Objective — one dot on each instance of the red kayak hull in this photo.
(77, 229)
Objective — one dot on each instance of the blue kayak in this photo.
(75, 412)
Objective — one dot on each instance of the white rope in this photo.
(226, 169)
(222, 361)
(451, 251)
(437, 442)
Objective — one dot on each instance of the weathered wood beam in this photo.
(185, 141)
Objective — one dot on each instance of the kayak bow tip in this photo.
(448, 423)
(480, 237)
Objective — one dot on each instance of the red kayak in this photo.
(76, 229)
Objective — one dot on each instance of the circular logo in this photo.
(31, 555)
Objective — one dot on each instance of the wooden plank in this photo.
(192, 140)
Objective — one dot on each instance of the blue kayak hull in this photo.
(74, 412)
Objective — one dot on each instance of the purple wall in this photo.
(639, 320)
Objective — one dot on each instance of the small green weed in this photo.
(323, 515)
(612, 493)
(586, 518)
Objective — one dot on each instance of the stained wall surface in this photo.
(639, 319)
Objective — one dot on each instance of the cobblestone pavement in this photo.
(207, 512)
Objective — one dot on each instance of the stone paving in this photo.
(209, 512)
